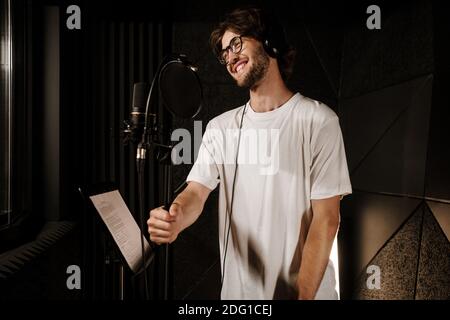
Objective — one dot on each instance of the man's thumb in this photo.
(175, 209)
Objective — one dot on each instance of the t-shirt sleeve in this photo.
(204, 170)
(329, 171)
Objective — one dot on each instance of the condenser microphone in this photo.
(140, 93)
(133, 128)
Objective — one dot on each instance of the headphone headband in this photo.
(274, 39)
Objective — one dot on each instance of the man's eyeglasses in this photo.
(235, 46)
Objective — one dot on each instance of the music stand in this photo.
(118, 222)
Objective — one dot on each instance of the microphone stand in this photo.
(165, 151)
(166, 161)
(153, 140)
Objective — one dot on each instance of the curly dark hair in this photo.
(252, 22)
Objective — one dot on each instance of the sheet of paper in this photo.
(122, 226)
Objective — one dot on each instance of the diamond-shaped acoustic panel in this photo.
(441, 212)
(397, 263)
(365, 118)
(433, 278)
(386, 134)
(373, 220)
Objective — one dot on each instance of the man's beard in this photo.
(258, 71)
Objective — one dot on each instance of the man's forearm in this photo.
(315, 256)
(192, 206)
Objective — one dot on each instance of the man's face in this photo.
(249, 66)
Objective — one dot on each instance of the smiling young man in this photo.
(278, 219)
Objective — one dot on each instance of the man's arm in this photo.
(164, 226)
(317, 248)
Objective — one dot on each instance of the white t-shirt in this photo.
(287, 157)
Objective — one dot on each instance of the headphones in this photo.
(274, 38)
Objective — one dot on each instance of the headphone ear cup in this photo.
(274, 42)
(270, 49)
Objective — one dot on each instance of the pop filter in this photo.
(180, 88)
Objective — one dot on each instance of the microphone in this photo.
(140, 93)
(135, 126)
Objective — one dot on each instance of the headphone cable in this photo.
(226, 238)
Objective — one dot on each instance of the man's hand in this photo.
(164, 226)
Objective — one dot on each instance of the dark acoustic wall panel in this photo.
(394, 114)
(397, 262)
(367, 118)
(122, 56)
(99, 68)
(324, 45)
(402, 50)
(315, 69)
(438, 169)
(433, 278)
(404, 140)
